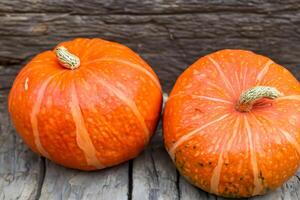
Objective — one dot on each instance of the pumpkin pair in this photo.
(231, 123)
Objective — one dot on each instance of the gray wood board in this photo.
(147, 6)
(154, 175)
(20, 168)
(169, 35)
(62, 183)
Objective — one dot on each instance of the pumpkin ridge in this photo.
(289, 97)
(216, 173)
(217, 88)
(215, 178)
(34, 113)
(244, 77)
(125, 99)
(136, 57)
(263, 124)
(263, 72)
(131, 64)
(82, 136)
(258, 126)
(224, 78)
(238, 81)
(201, 97)
(257, 184)
(291, 140)
(191, 134)
(259, 147)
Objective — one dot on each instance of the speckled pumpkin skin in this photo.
(93, 117)
(222, 150)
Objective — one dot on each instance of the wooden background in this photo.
(170, 35)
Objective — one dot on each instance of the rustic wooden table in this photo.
(170, 35)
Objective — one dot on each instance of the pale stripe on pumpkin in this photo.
(131, 64)
(126, 100)
(33, 116)
(216, 174)
(244, 78)
(202, 97)
(257, 184)
(263, 72)
(237, 81)
(224, 78)
(212, 99)
(83, 139)
(191, 134)
(290, 97)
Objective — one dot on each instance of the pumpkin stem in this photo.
(66, 59)
(249, 97)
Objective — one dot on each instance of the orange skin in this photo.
(96, 116)
(225, 151)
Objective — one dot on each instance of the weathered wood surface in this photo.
(170, 35)
(21, 171)
(62, 183)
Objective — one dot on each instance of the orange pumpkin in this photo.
(88, 104)
(231, 124)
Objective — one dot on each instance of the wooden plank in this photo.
(173, 35)
(169, 42)
(291, 190)
(154, 175)
(20, 169)
(188, 191)
(62, 183)
(7, 76)
(147, 6)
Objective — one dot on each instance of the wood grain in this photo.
(170, 35)
(20, 169)
(62, 183)
(147, 6)
(154, 175)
